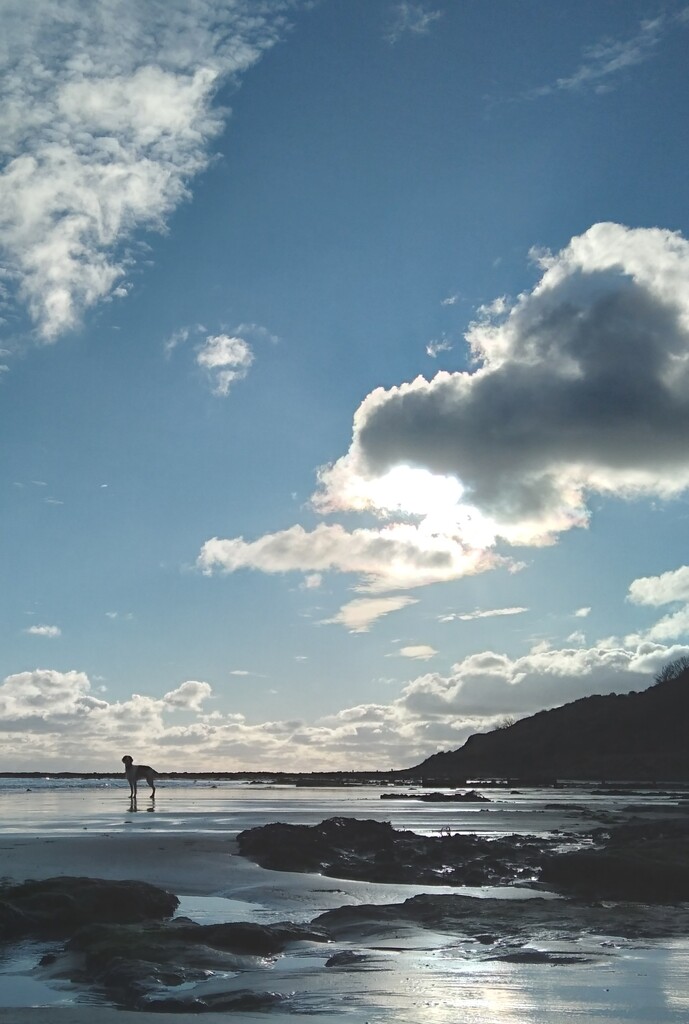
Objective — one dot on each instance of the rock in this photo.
(371, 850)
(134, 966)
(57, 907)
(515, 921)
(244, 1000)
(648, 871)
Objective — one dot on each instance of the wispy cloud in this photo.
(488, 613)
(605, 61)
(407, 17)
(359, 615)
(442, 344)
(107, 116)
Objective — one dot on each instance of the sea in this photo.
(429, 978)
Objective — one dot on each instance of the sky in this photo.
(344, 363)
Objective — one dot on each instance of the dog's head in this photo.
(127, 760)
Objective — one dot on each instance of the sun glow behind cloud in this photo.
(509, 453)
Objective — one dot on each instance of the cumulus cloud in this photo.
(659, 590)
(670, 588)
(579, 388)
(226, 359)
(582, 613)
(359, 615)
(43, 694)
(107, 116)
(49, 631)
(392, 558)
(189, 696)
(490, 684)
(432, 711)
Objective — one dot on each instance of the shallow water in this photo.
(67, 807)
(420, 976)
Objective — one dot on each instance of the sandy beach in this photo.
(383, 964)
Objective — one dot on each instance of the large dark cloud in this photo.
(580, 386)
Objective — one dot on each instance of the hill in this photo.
(634, 736)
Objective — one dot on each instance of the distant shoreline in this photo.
(344, 779)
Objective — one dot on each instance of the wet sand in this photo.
(399, 972)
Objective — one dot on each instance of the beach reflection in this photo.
(403, 976)
(133, 806)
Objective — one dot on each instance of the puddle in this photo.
(19, 988)
(216, 909)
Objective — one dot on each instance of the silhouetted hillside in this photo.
(633, 736)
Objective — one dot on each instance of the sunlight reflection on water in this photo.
(429, 977)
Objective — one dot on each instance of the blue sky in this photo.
(344, 357)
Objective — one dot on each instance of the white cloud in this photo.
(433, 348)
(102, 129)
(189, 696)
(227, 359)
(49, 631)
(359, 615)
(392, 558)
(671, 627)
(582, 613)
(418, 652)
(487, 613)
(312, 582)
(177, 338)
(45, 693)
(659, 590)
(489, 684)
(66, 723)
(655, 591)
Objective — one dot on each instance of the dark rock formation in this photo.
(489, 921)
(640, 861)
(636, 736)
(374, 851)
(469, 797)
(158, 965)
(57, 907)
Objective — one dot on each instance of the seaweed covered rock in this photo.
(57, 907)
(652, 871)
(370, 850)
(642, 860)
(154, 965)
